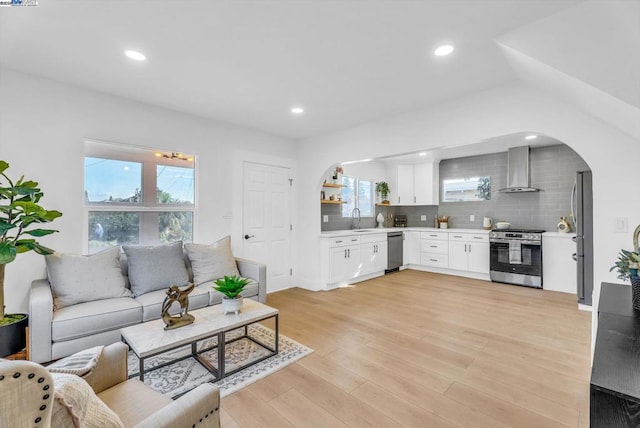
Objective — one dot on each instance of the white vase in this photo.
(231, 305)
(380, 220)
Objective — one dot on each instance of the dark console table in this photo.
(615, 375)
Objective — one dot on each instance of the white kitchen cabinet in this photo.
(559, 270)
(373, 253)
(434, 249)
(344, 258)
(469, 252)
(417, 184)
(411, 248)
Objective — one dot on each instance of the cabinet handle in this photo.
(433, 260)
(433, 246)
(414, 199)
(345, 253)
(465, 248)
(457, 236)
(354, 240)
(477, 237)
(337, 242)
(348, 253)
(398, 199)
(469, 248)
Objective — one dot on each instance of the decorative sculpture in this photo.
(175, 294)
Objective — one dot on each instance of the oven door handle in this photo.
(506, 241)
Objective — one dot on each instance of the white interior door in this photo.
(267, 221)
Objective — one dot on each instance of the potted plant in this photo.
(627, 267)
(337, 174)
(382, 189)
(231, 287)
(19, 214)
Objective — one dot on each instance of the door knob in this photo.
(248, 236)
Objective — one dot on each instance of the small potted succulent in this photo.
(627, 267)
(231, 287)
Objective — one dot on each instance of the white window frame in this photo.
(149, 209)
(356, 202)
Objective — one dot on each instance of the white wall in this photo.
(42, 128)
(611, 154)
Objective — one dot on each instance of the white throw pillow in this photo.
(80, 364)
(76, 405)
(211, 262)
(77, 279)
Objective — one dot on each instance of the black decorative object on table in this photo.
(615, 375)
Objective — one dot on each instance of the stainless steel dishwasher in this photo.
(394, 251)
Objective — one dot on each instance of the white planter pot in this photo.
(231, 305)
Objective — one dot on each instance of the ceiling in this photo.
(248, 62)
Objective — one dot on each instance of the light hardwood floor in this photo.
(417, 349)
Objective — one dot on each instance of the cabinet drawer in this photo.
(437, 236)
(378, 237)
(458, 236)
(344, 240)
(440, 247)
(478, 237)
(435, 260)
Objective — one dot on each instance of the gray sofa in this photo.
(56, 334)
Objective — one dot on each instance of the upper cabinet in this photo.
(417, 184)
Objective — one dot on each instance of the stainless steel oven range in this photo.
(516, 257)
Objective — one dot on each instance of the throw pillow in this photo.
(211, 262)
(79, 364)
(76, 405)
(77, 279)
(155, 267)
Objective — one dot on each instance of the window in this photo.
(466, 189)
(137, 196)
(357, 193)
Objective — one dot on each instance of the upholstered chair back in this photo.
(26, 394)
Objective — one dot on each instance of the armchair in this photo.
(24, 402)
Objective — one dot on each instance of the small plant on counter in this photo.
(627, 265)
(382, 189)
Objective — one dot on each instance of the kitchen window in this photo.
(357, 193)
(137, 196)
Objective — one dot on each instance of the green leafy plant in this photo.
(627, 265)
(382, 188)
(231, 286)
(19, 213)
(484, 189)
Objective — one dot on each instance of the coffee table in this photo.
(150, 338)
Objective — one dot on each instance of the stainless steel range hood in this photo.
(518, 171)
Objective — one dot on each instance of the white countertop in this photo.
(351, 232)
(558, 235)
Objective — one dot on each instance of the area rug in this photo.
(182, 376)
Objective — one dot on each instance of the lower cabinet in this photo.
(469, 252)
(434, 249)
(373, 253)
(344, 262)
(411, 248)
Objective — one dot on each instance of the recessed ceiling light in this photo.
(297, 110)
(443, 50)
(135, 55)
(530, 137)
(422, 154)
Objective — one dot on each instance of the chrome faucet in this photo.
(353, 218)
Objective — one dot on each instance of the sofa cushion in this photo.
(75, 404)
(152, 302)
(77, 279)
(155, 267)
(211, 262)
(89, 318)
(133, 401)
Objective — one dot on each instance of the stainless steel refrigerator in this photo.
(582, 211)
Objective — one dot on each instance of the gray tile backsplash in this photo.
(414, 213)
(552, 169)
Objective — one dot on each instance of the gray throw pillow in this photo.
(210, 262)
(155, 267)
(77, 279)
